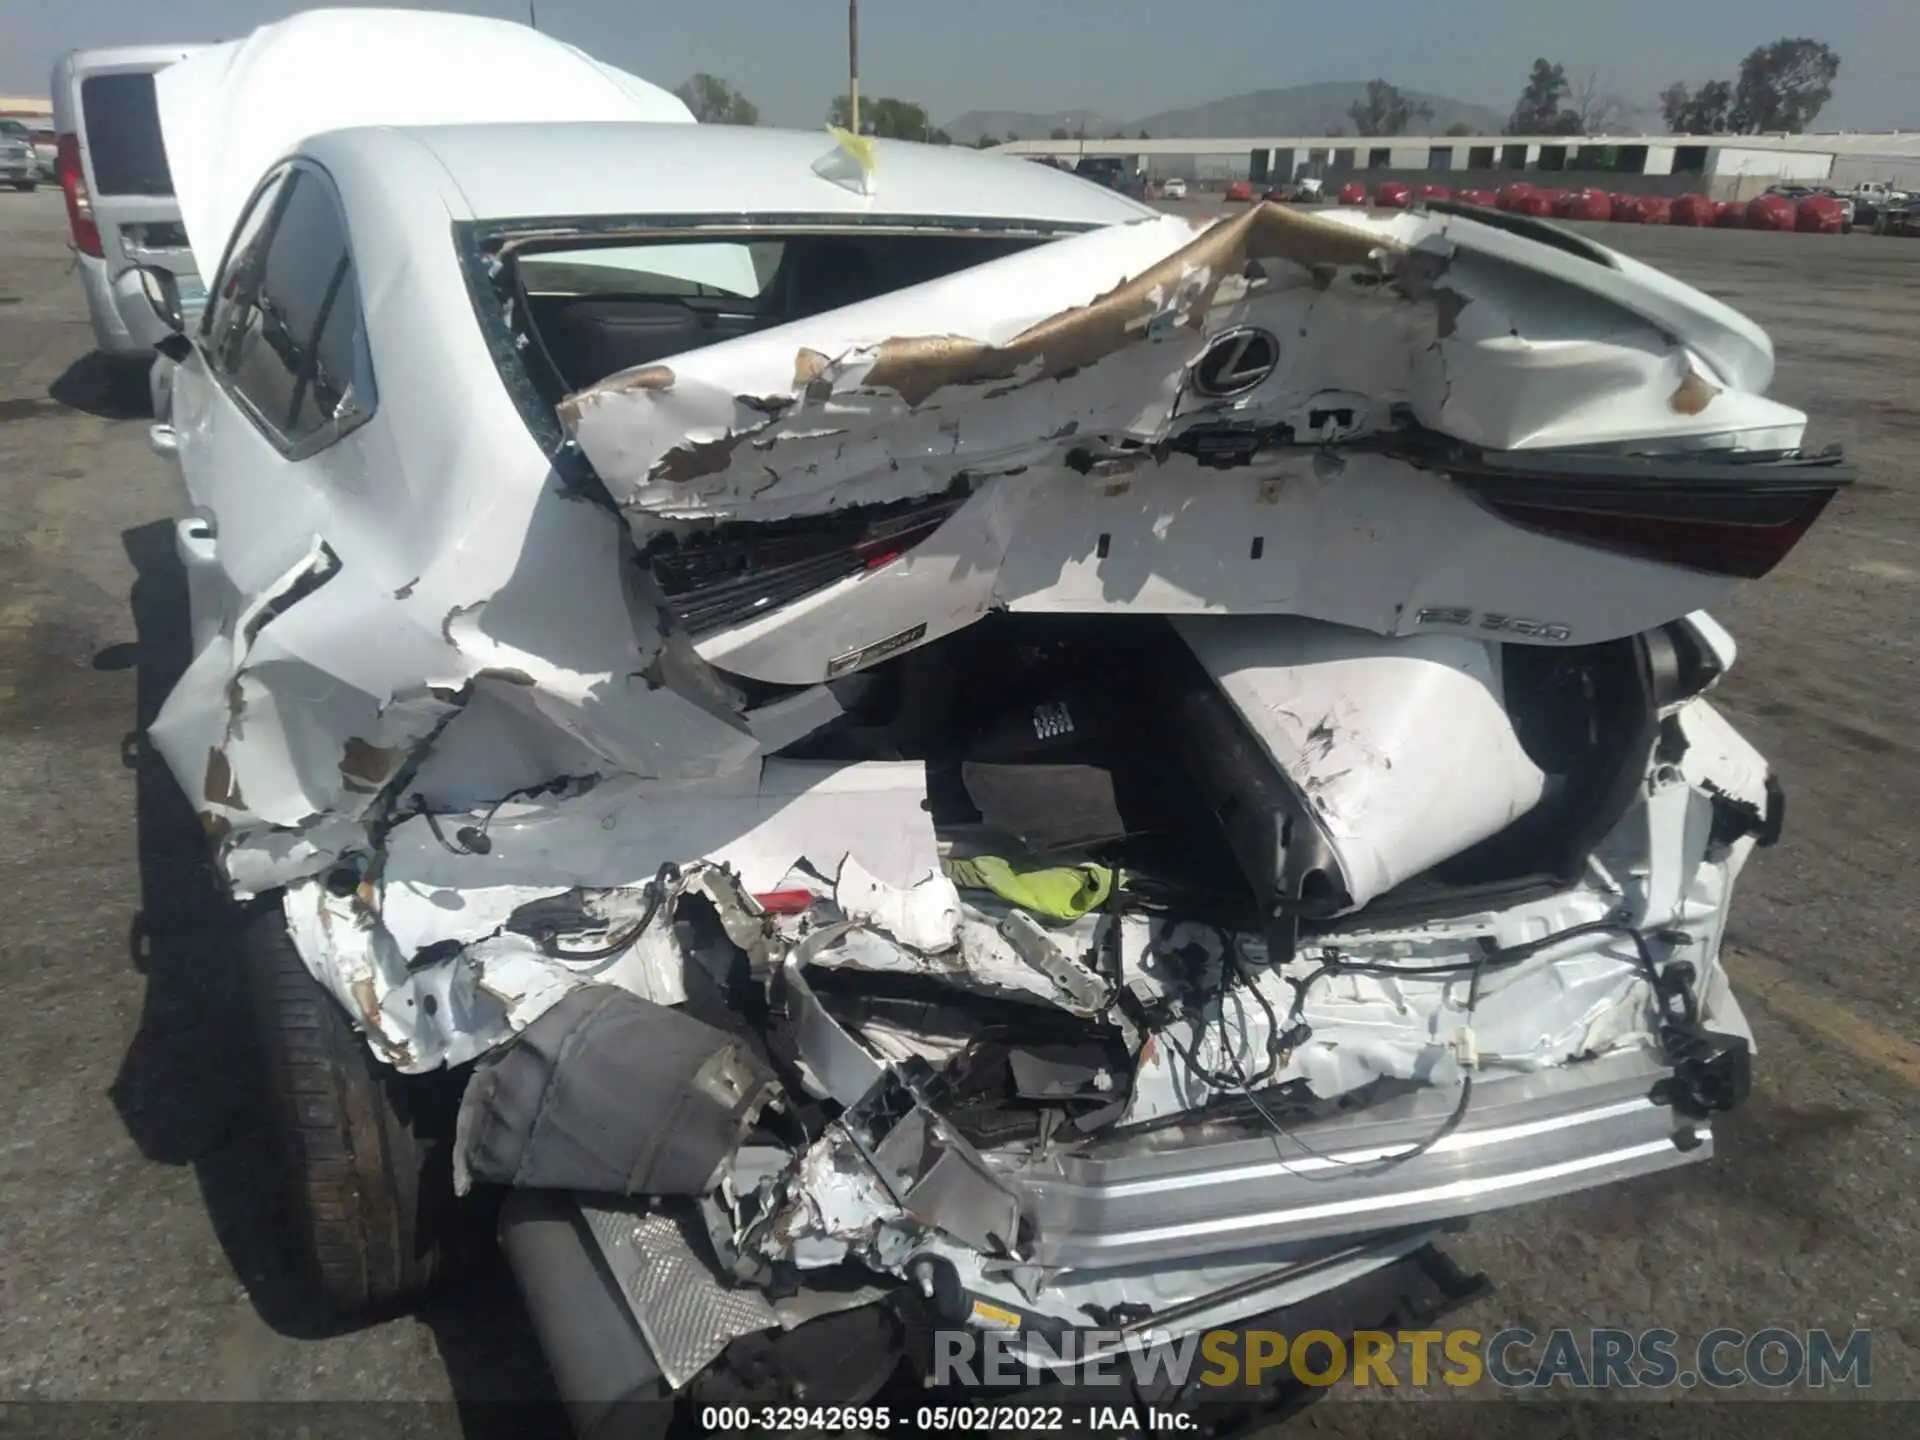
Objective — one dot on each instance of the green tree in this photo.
(1539, 111)
(1459, 127)
(1060, 132)
(1783, 86)
(888, 118)
(1701, 112)
(715, 102)
(1386, 111)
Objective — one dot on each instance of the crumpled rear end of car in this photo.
(1158, 768)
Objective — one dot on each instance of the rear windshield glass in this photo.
(123, 136)
(599, 308)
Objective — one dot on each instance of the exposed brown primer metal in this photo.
(365, 767)
(1074, 339)
(220, 787)
(1694, 395)
(698, 458)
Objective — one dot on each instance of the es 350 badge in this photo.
(879, 650)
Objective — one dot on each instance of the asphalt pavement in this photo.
(139, 1260)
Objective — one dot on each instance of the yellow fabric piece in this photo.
(860, 147)
(1064, 892)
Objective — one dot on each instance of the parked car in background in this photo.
(1304, 190)
(1174, 189)
(19, 165)
(1870, 197)
(120, 205)
(47, 147)
(1898, 217)
(1240, 190)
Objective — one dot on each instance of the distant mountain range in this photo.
(1296, 110)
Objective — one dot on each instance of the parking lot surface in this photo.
(138, 1259)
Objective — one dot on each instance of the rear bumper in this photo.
(1173, 1197)
(110, 334)
(117, 306)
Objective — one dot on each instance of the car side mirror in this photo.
(163, 294)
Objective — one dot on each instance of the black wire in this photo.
(1475, 969)
(486, 820)
(612, 949)
(433, 824)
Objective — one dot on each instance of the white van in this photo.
(119, 189)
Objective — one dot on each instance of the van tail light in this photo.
(1730, 513)
(73, 181)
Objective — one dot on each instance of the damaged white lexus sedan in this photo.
(889, 739)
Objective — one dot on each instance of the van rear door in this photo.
(110, 105)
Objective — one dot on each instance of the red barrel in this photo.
(1732, 216)
(1534, 202)
(1433, 192)
(1626, 208)
(1585, 205)
(1351, 193)
(1487, 198)
(1512, 195)
(1655, 210)
(1771, 212)
(1392, 195)
(1820, 215)
(1695, 210)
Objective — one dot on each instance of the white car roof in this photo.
(628, 169)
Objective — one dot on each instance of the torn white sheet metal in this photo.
(231, 110)
(420, 1017)
(980, 959)
(1090, 339)
(924, 916)
(1351, 720)
(608, 841)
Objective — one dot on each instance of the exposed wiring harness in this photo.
(1710, 1071)
(610, 950)
(473, 839)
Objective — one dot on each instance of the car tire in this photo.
(364, 1153)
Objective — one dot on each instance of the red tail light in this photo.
(73, 180)
(786, 902)
(1725, 515)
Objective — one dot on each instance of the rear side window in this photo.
(284, 329)
(123, 136)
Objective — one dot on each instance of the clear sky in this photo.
(1125, 58)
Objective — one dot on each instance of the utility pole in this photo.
(853, 65)
(533, 14)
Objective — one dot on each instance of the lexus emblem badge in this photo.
(1235, 361)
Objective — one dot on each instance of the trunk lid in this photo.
(1418, 423)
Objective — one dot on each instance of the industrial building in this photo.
(1727, 167)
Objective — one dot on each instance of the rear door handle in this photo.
(194, 539)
